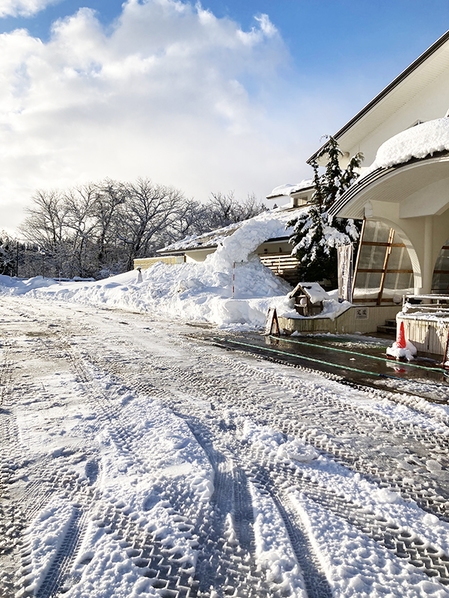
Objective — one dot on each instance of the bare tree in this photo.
(148, 212)
(45, 226)
(225, 209)
(8, 254)
(81, 224)
(46, 220)
(191, 218)
(110, 197)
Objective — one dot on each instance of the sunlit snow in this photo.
(143, 447)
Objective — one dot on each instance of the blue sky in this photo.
(232, 95)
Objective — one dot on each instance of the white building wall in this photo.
(429, 103)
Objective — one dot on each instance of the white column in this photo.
(427, 261)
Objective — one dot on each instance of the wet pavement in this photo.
(355, 358)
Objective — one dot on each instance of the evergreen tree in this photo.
(7, 254)
(316, 236)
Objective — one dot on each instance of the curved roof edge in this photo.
(354, 189)
(365, 181)
(412, 67)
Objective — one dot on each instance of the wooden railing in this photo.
(284, 266)
(426, 304)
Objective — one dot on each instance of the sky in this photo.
(213, 97)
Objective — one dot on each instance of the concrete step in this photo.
(390, 330)
(390, 323)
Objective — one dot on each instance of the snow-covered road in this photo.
(139, 461)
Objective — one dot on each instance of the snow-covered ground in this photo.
(138, 461)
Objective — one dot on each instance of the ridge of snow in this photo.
(288, 189)
(252, 233)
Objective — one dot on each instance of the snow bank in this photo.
(20, 287)
(191, 292)
(420, 141)
(231, 288)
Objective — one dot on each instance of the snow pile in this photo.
(247, 238)
(404, 353)
(230, 289)
(420, 141)
(268, 440)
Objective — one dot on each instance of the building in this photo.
(402, 196)
(403, 192)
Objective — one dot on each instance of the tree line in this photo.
(98, 229)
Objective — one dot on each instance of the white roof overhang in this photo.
(428, 67)
(400, 184)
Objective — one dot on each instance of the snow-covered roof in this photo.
(204, 241)
(273, 226)
(313, 290)
(288, 189)
(422, 72)
(420, 141)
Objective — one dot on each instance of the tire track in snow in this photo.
(272, 475)
(226, 556)
(152, 556)
(426, 558)
(313, 575)
(240, 398)
(225, 535)
(11, 516)
(337, 419)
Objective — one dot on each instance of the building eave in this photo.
(391, 184)
(385, 92)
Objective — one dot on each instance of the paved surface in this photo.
(358, 359)
(232, 389)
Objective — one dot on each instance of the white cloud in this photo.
(23, 8)
(172, 93)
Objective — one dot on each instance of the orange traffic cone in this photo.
(400, 341)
